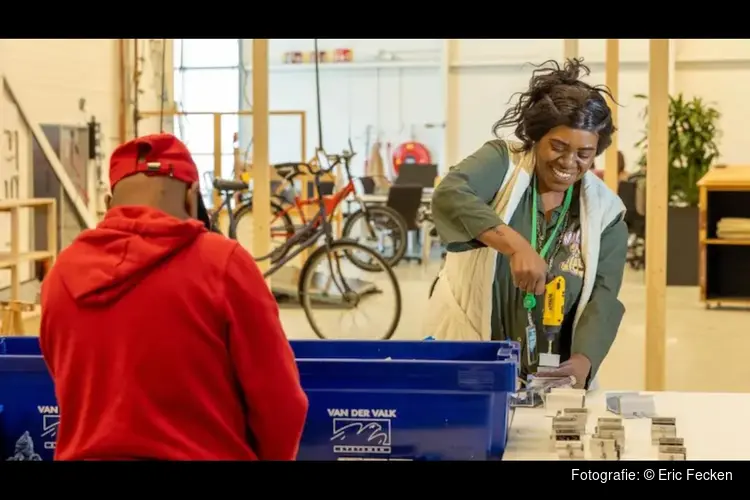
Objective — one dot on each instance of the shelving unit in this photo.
(724, 265)
(355, 65)
(12, 260)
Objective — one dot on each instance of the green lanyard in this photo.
(529, 300)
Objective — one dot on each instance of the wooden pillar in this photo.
(673, 66)
(261, 167)
(570, 48)
(656, 214)
(450, 101)
(612, 80)
(217, 155)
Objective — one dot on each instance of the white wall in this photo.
(50, 76)
(717, 71)
(490, 71)
(395, 99)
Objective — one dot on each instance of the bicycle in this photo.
(305, 237)
(391, 221)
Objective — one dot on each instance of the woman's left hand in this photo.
(577, 366)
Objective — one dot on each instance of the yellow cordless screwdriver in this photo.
(552, 319)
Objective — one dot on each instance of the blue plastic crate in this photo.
(429, 401)
(20, 345)
(28, 427)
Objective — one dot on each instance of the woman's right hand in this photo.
(529, 270)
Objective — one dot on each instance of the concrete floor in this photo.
(706, 350)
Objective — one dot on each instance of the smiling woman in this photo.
(516, 215)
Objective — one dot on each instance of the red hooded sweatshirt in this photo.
(164, 343)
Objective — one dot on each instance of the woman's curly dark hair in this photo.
(556, 97)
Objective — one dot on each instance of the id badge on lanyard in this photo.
(530, 340)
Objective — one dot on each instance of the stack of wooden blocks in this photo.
(664, 435)
(568, 432)
(608, 441)
(560, 398)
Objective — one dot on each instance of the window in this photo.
(207, 53)
(207, 80)
(179, 87)
(177, 53)
(197, 132)
(284, 141)
(211, 90)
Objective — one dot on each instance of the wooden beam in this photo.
(612, 80)
(656, 214)
(260, 169)
(570, 48)
(122, 86)
(451, 132)
(217, 156)
(87, 217)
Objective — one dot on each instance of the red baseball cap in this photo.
(157, 154)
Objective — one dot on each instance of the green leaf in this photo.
(692, 149)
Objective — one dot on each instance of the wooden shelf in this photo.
(11, 205)
(7, 259)
(718, 241)
(724, 263)
(727, 178)
(12, 260)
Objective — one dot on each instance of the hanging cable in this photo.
(162, 96)
(136, 87)
(317, 94)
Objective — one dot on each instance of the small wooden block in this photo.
(570, 449)
(582, 414)
(663, 427)
(566, 428)
(613, 431)
(671, 441)
(604, 448)
(672, 453)
(609, 420)
(576, 420)
(559, 399)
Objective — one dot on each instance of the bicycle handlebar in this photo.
(325, 162)
(332, 160)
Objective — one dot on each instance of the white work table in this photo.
(713, 425)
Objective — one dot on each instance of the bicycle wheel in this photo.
(387, 224)
(330, 281)
(282, 227)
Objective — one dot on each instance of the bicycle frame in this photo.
(330, 203)
(302, 239)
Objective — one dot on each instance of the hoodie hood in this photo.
(104, 263)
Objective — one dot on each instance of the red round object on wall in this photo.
(410, 152)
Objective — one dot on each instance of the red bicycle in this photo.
(384, 230)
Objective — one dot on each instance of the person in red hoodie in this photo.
(162, 338)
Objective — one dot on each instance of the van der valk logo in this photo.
(50, 422)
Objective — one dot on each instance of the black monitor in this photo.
(419, 174)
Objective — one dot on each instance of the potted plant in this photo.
(693, 133)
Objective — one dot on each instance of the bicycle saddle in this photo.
(230, 185)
